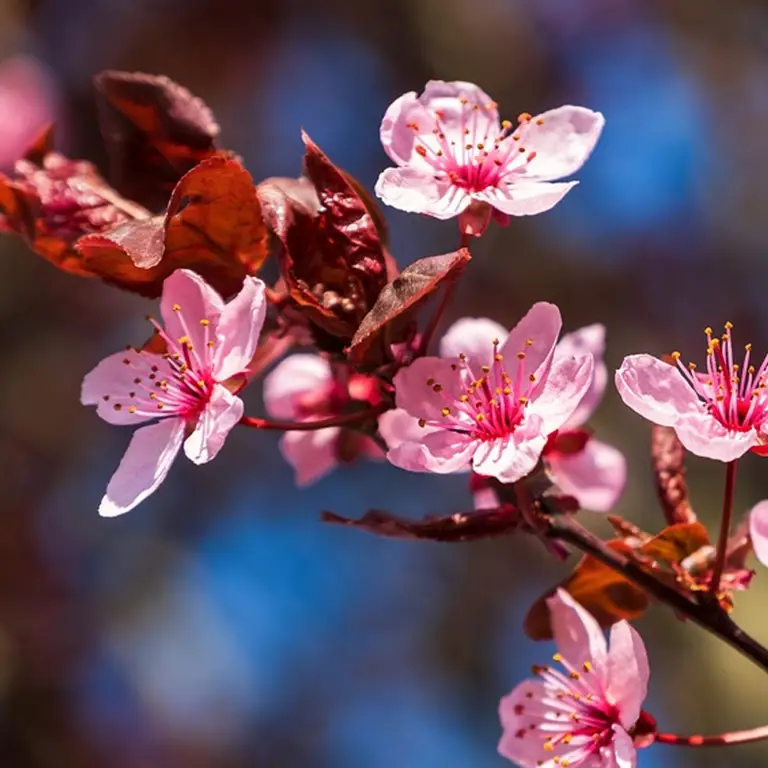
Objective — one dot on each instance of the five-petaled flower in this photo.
(486, 404)
(304, 388)
(207, 344)
(589, 470)
(720, 413)
(452, 151)
(579, 718)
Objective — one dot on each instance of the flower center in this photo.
(468, 155)
(734, 393)
(580, 717)
(488, 404)
(176, 382)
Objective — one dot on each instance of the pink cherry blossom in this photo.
(486, 404)
(303, 388)
(583, 467)
(451, 151)
(207, 343)
(718, 414)
(758, 531)
(580, 718)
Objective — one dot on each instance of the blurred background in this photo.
(220, 623)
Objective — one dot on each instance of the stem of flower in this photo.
(725, 526)
(705, 611)
(342, 420)
(734, 737)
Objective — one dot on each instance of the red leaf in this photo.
(213, 226)
(155, 131)
(483, 524)
(398, 302)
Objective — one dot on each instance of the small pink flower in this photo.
(720, 414)
(580, 718)
(207, 342)
(758, 531)
(486, 404)
(451, 150)
(303, 388)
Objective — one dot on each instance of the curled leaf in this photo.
(213, 226)
(399, 301)
(667, 460)
(469, 526)
(155, 131)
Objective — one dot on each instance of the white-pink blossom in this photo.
(207, 343)
(580, 717)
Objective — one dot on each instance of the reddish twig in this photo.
(342, 420)
(725, 526)
(723, 739)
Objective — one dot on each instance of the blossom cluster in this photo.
(343, 351)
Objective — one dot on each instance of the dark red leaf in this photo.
(667, 459)
(399, 301)
(213, 226)
(469, 526)
(155, 131)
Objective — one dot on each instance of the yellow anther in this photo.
(575, 676)
(728, 325)
(524, 117)
(540, 121)
(184, 340)
(131, 409)
(675, 355)
(160, 406)
(557, 658)
(495, 342)
(462, 356)
(177, 307)
(506, 124)
(205, 322)
(747, 347)
(532, 377)
(485, 368)
(446, 411)
(480, 417)
(211, 343)
(507, 391)
(549, 746)
(117, 407)
(567, 738)
(692, 366)
(464, 398)
(523, 400)
(529, 342)
(498, 358)
(521, 355)
(708, 331)
(587, 666)
(516, 137)
(522, 150)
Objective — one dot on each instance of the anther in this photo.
(422, 151)
(422, 423)
(205, 322)
(430, 382)
(506, 124)
(521, 355)
(446, 411)
(437, 388)
(675, 355)
(524, 117)
(540, 121)
(131, 409)
(117, 407)
(485, 368)
(587, 666)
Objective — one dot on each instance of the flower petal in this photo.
(628, 672)
(623, 749)
(220, 415)
(472, 336)
(398, 426)
(587, 340)
(415, 386)
(414, 190)
(442, 452)
(562, 390)
(758, 531)
(311, 454)
(540, 326)
(703, 435)
(655, 390)
(239, 329)
(143, 467)
(577, 634)
(519, 197)
(296, 378)
(511, 458)
(562, 143)
(196, 301)
(121, 381)
(595, 475)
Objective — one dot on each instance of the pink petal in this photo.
(758, 531)
(196, 301)
(624, 754)
(703, 435)
(414, 387)
(115, 379)
(296, 377)
(628, 672)
(526, 750)
(655, 390)
(562, 143)
(517, 197)
(587, 340)
(483, 494)
(143, 467)
(398, 426)
(577, 634)
(511, 458)
(441, 452)
(311, 454)
(595, 476)
(239, 329)
(414, 190)
(472, 336)
(541, 325)
(562, 390)
(216, 421)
